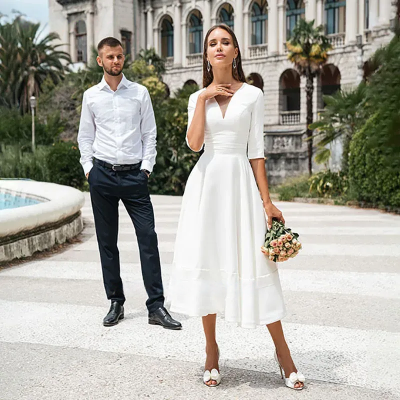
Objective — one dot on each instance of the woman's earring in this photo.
(208, 66)
(234, 63)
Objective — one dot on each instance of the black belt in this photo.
(117, 167)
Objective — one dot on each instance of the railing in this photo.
(194, 59)
(290, 117)
(258, 50)
(337, 39)
(169, 62)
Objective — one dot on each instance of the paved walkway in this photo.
(343, 323)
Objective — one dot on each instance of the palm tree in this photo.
(342, 116)
(26, 61)
(308, 50)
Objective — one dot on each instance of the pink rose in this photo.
(280, 243)
(274, 243)
(283, 238)
(283, 253)
(287, 245)
(290, 252)
(276, 250)
(289, 237)
(264, 250)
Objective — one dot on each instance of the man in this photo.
(117, 140)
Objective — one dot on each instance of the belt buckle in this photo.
(115, 165)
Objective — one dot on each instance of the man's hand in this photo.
(87, 175)
(146, 172)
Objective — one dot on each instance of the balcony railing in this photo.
(290, 117)
(258, 50)
(169, 62)
(337, 39)
(194, 59)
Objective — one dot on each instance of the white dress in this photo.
(218, 266)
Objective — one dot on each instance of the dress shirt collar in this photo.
(124, 83)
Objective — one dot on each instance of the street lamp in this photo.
(33, 105)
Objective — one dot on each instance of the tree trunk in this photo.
(309, 96)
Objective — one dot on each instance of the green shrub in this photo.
(294, 187)
(329, 184)
(372, 179)
(63, 165)
(17, 164)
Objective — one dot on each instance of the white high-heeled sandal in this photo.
(212, 375)
(294, 377)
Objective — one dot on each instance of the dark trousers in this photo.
(107, 188)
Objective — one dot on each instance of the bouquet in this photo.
(281, 243)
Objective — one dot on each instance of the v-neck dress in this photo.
(218, 266)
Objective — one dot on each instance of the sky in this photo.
(35, 10)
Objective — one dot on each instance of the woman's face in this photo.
(220, 48)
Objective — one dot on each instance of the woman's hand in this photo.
(217, 90)
(273, 212)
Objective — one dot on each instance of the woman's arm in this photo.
(258, 166)
(195, 133)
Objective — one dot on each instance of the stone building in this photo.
(176, 29)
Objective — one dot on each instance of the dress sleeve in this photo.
(191, 107)
(255, 147)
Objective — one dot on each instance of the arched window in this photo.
(195, 32)
(366, 14)
(259, 22)
(226, 15)
(335, 16)
(290, 90)
(126, 40)
(81, 41)
(330, 82)
(167, 38)
(295, 10)
(256, 80)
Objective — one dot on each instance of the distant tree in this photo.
(308, 50)
(26, 60)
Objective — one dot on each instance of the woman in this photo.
(218, 264)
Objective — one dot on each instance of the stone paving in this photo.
(343, 323)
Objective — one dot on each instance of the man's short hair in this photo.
(108, 41)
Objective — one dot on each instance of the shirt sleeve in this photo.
(149, 133)
(191, 108)
(255, 147)
(86, 135)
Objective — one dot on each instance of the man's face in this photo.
(111, 59)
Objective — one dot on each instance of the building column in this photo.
(177, 35)
(311, 10)
(282, 27)
(72, 42)
(156, 38)
(373, 13)
(246, 35)
(385, 13)
(206, 17)
(90, 34)
(239, 22)
(184, 43)
(150, 37)
(351, 21)
(273, 23)
(142, 22)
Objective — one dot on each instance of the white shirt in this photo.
(117, 127)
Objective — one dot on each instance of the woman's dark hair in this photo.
(237, 72)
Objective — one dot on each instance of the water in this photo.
(8, 201)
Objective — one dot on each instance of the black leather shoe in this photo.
(162, 317)
(114, 315)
